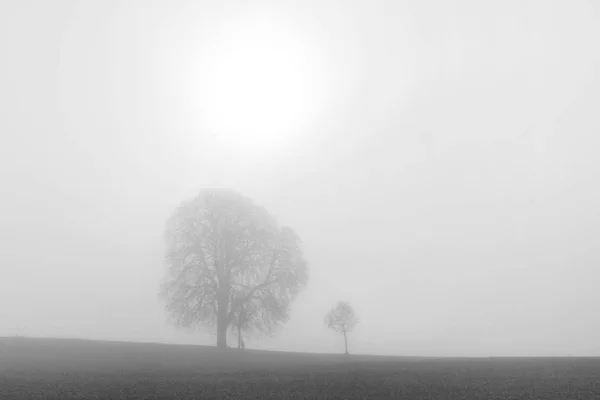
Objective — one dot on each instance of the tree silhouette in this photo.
(225, 255)
(243, 322)
(341, 319)
(255, 316)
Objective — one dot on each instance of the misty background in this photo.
(448, 190)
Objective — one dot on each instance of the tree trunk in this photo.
(221, 332)
(222, 318)
(346, 343)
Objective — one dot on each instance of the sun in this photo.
(261, 85)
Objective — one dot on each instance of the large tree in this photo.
(225, 254)
(342, 319)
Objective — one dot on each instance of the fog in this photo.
(448, 189)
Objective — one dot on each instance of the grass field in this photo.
(79, 369)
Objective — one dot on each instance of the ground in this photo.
(79, 369)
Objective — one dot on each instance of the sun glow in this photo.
(261, 85)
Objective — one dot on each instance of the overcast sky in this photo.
(448, 189)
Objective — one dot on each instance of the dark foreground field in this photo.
(72, 369)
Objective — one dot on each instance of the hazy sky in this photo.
(448, 188)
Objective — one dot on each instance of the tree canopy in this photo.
(225, 254)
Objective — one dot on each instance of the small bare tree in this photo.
(341, 319)
(257, 317)
(243, 322)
